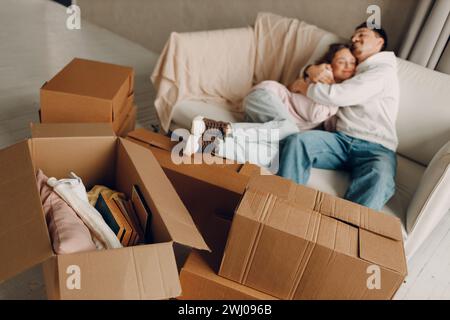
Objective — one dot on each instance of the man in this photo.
(366, 139)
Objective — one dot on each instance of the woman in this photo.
(272, 113)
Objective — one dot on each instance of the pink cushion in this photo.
(68, 233)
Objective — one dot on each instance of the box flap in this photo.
(225, 176)
(24, 239)
(383, 251)
(140, 272)
(343, 210)
(55, 130)
(163, 198)
(199, 281)
(152, 138)
(90, 78)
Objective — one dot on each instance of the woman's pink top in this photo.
(307, 113)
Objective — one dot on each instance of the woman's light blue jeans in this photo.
(371, 166)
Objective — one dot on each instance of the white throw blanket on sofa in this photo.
(221, 66)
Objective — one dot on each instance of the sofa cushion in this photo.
(423, 123)
(431, 200)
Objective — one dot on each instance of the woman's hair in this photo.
(335, 47)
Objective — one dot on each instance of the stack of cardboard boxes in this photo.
(219, 231)
(86, 91)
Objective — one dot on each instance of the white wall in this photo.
(149, 22)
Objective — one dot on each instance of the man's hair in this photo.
(379, 31)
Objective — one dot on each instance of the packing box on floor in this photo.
(199, 278)
(98, 157)
(88, 91)
(295, 242)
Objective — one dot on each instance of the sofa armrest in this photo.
(204, 65)
(431, 201)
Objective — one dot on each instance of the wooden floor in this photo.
(35, 44)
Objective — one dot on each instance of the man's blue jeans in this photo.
(371, 166)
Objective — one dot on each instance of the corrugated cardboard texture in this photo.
(332, 206)
(86, 91)
(91, 158)
(24, 240)
(292, 250)
(199, 278)
(129, 123)
(54, 130)
(200, 282)
(140, 272)
(51, 278)
(120, 120)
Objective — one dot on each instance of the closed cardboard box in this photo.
(295, 242)
(199, 278)
(88, 91)
(93, 152)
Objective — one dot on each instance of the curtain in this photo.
(427, 41)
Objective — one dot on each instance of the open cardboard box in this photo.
(98, 157)
(86, 91)
(199, 276)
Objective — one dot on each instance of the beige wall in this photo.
(149, 22)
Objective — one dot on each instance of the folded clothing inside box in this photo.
(75, 225)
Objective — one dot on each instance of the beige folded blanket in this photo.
(221, 66)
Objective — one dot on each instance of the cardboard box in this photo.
(121, 128)
(88, 91)
(295, 242)
(98, 157)
(128, 124)
(125, 122)
(199, 278)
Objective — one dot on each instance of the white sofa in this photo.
(422, 195)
